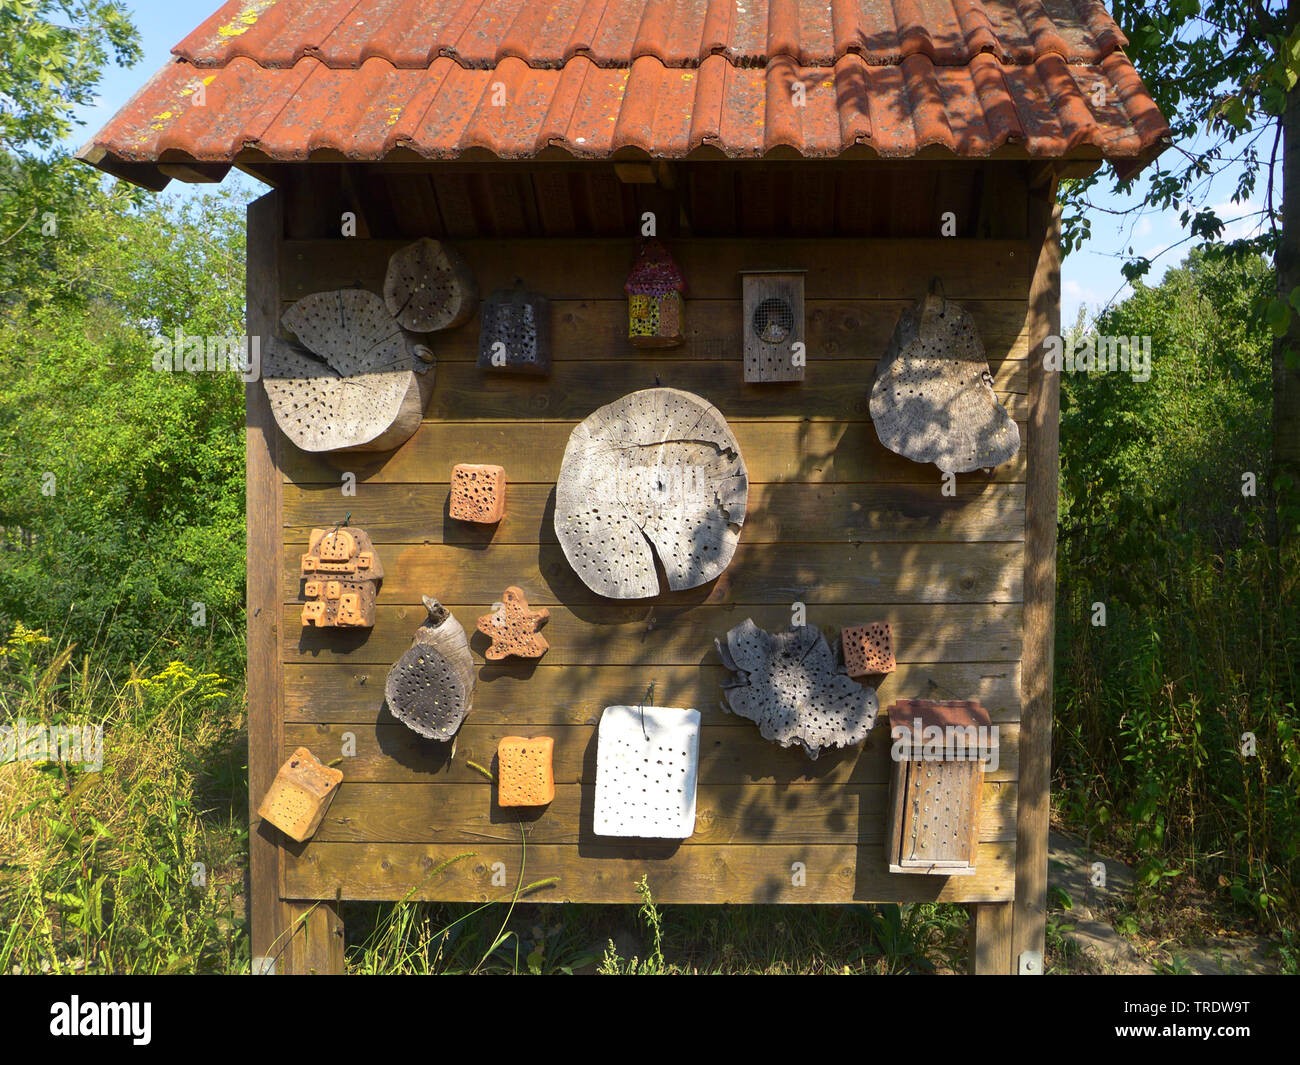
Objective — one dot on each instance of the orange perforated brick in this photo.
(524, 773)
(478, 493)
(300, 794)
(868, 649)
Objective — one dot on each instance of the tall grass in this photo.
(137, 866)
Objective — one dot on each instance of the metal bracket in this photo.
(1031, 963)
(264, 966)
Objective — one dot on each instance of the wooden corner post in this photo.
(287, 937)
(1029, 910)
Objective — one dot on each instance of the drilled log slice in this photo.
(355, 382)
(657, 472)
(933, 398)
(429, 287)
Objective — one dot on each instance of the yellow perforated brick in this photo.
(300, 794)
(524, 773)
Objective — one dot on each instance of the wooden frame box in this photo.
(935, 796)
(773, 326)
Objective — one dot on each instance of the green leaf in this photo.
(1278, 314)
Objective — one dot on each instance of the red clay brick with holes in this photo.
(478, 493)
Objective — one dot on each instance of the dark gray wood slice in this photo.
(933, 399)
(791, 685)
(431, 688)
(657, 472)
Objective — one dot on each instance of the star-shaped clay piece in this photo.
(514, 627)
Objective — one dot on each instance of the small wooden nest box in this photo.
(300, 794)
(773, 326)
(341, 575)
(935, 791)
(654, 298)
(515, 336)
(525, 776)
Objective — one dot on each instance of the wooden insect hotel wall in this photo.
(684, 522)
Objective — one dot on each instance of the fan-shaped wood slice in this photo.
(657, 472)
(933, 398)
(357, 382)
(790, 685)
(429, 286)
(431, 687)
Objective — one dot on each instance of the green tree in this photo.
(121, 488)
(1225, 73)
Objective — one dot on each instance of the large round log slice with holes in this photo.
(654, 475)
(791, 685)
(356, 381)
(431, 687)
(933, 398)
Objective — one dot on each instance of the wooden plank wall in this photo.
(835, 522)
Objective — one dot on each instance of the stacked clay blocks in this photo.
(340, 574)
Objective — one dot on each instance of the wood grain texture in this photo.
(840, 392)
(609, 873)
(725, 813)
(520, 694)
(777, 514)
(591, 330)
(620, 634)
(1030, 918)
(596, 269)
(729, 754)
(269, 918)
(816, 452)
(990, 939)
(758, 574)
(834, 520)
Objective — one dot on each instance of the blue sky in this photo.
(1090, 277)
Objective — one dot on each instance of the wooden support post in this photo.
(269, 917)
(1029, 927)
(990, 939)
(316, 940)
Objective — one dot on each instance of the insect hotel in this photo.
(744, 552)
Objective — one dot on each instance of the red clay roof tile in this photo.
(662, 77)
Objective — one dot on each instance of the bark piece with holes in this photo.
(936, 785)
(790, 685)
(933, 399)
(657, 473)
(429, 287)
(299, 796)
(431, 688)
(355, 381)
(514, 627)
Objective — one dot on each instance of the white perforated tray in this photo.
(647, 761)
